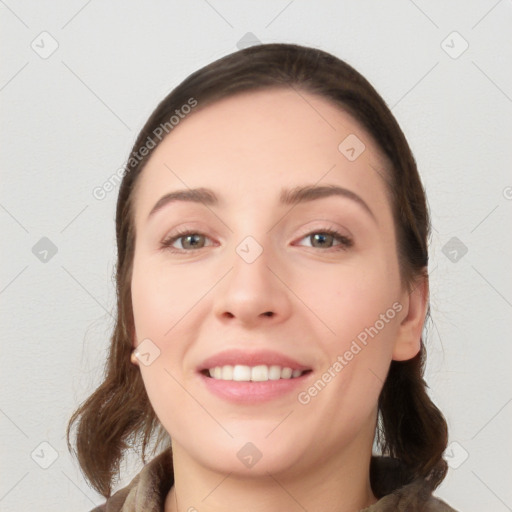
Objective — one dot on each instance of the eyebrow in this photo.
(293, 196)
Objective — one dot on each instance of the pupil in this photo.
(191, 238)
(321, 237)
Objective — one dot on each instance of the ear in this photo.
(133, 357)
(415, 303)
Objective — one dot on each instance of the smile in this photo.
(259, 373)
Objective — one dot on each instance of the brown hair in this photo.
(118, 414)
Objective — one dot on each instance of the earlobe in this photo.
(415, 302)
(133, 358)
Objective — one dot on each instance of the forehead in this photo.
(259, 141)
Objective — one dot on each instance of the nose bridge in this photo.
(252, 240)
(251, 289)
(251, 263)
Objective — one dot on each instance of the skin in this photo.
(197, 302)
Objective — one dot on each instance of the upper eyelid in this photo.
(328, 225)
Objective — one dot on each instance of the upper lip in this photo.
(255, 358)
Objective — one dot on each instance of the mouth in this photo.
(253, 376)
(258, 373)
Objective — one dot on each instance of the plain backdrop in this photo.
(77, 81)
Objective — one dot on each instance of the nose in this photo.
(254, 292)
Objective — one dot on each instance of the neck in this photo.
(338, 484)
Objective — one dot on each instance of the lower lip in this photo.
(253, 392)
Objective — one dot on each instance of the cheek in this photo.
(160, 302)
(163, 301)
(161, 297)
(363, 315)
(359, 306)
(348, 299)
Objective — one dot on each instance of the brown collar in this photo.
(391, 484)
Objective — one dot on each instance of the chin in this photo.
(245, 458)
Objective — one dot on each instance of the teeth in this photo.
(241, 373)
(287, 373)
(274, 373)
(260, 373)
(227, 373)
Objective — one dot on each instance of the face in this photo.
(259, 287)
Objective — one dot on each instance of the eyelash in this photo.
(345, 241)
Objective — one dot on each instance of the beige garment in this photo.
(148, 490)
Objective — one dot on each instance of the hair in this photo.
(118, 415)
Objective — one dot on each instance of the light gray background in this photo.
(68, 123)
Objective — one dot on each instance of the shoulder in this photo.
(147, 490)
(398, 492)
(117, 501)
(415, 496)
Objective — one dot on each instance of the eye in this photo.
(189, 240)
(323, 239)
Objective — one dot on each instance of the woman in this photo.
(272, 290)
